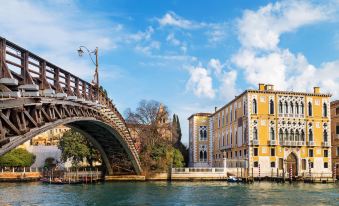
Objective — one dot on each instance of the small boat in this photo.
(57, 181)
(233, 179)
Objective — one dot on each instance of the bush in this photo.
(17, 158)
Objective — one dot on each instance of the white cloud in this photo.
(215, 65)
(200, 82)
(262, 28)
(56, 31)
(262, 60)
(171, 38)
(172, 19)
(228, 85)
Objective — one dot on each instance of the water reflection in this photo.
(169, 193)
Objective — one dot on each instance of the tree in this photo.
(150, 122)
(17, 158)
(177, 137)
(76, 147)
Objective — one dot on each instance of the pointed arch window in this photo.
(286, 135)
(205, 156)
(281, 135)
(255, 133)
(297, 108)
(272, 135)
(254, 106)
(286, 107)
(292, 135)
(325, 110)
(271, 107)
(325, 135)
(309, 109)
(291, 107)
(297, 136)
(310, 135)
(302, 136)
(280, 107)
(302, 108)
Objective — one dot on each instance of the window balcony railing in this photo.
(300, 143)
(255, 142)
(337, 136)
(326, 144)
(311, 143)
(272, 142)
(287, 143)
(293, 143)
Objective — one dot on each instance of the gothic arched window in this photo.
(272, 136)
(271, 107)
(309, 109)
(325, 135)
(281, 135)
(286, 108)
(280, 107)
(310, 135)
(325, 110)
(254, 106)
(255, 133)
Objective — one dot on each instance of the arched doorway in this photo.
(292, 164)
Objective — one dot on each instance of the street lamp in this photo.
(90, 53)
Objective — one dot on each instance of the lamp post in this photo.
(96, 75)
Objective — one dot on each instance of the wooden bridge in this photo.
(36, 95)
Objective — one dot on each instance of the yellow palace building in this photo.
(270, 130)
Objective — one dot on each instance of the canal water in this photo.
(166, 193)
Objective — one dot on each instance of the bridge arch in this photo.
(36, 95)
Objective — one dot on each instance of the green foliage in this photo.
(49, 162)
(17, 158)
(178, 159)
(76, 147)
(161, 157)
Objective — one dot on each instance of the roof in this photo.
(201, 114)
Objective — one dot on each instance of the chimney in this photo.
(316, 90)
(215, 109)
(261, 87)
(269, 87)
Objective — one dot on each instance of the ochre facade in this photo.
(274, 131)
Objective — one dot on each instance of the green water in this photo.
(166, 193)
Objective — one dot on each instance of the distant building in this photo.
(271, 130)
(200, 141)
(335, 134)
(44, 146)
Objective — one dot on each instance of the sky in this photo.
(190, 55)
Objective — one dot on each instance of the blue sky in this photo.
(190, 55)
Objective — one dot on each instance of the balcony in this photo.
(337, 136)
(326, 144)
(255, 142)
(293, 143)
(300, 143)
(272, 142)
(287, 143)
(311, 143)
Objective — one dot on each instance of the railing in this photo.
(272, 142)
(255, 142)
(198, 170)
(326, 144)
(26, 74)
(311, 143)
